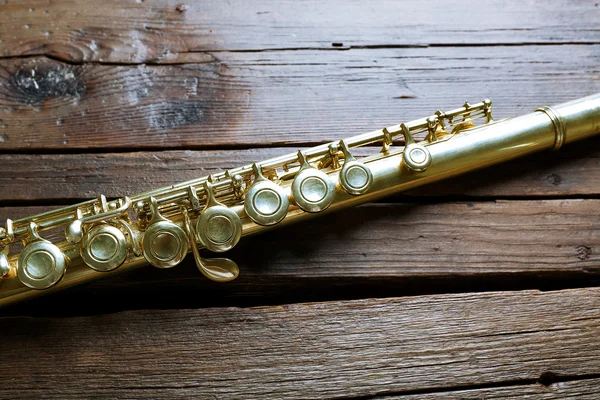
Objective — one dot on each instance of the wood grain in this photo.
(280, 98)
(154, 31)
(588, 389)
(319, 350)
(58, 178)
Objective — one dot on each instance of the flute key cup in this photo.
(41, 264)
(104, 248)
(165, 244)
(312, 189)
(415, 156)
(218, 227)
(266, 203)
(355, 177)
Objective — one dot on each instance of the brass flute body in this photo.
(76, 244)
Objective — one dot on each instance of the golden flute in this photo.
(75, 244)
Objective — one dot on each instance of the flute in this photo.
(76, 244)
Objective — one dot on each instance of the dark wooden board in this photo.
(281, 98)
(320, 350)
(60, 178)
(154, 31)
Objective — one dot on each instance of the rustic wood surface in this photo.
(254, 99)
(319, 350)
(154, 31)
(482, 286)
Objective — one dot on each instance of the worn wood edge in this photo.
(586, 389)
(156, 32)
(241, 100)
(336, 349)
(377, 250)
(64, 178)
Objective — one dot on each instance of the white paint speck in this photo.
(132, 97)
(26, 26)
(33, 79)
(140, 51)
(93, 46)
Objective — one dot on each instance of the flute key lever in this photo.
(215, 269)
(253, 198)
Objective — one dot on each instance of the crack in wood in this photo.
(546, 379)
(209, 53)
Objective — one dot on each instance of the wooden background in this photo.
(484, 286)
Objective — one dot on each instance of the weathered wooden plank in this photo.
(316, 350)
(62, 177)
(587, 389)
(379, 250)
(154, 31)
(274, 98)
